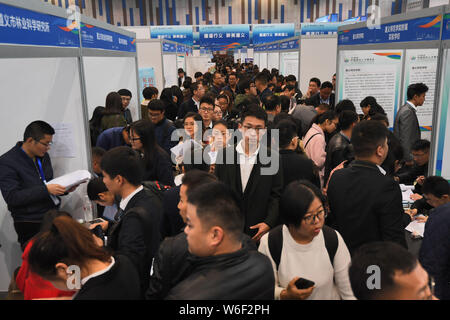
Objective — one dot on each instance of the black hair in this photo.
(327, 115)
(290, 78)
(256, 111)
(98, 152)
(208, 100)
(345, 105)
(196, 177)
(243, 85)
(272, 102)
(97, 116)
(125, 93)
(37, 129)
(296, 200)
(347, 118)
(94, 187)
(437, 186)
(374, 106)
(289, 87)
(217, 205)
(195, 115)
(326, 84)
(167, 95)
(316, 80)
(285, 103)
(261, 77)
(156, 105)
(416, 89)
(389, 257)
(421, 145)
(125, 162)
(367, 136)
(198, 74)
(287, 131)
(380, 117)
(149, 92)
(194, 86)
(113, 104)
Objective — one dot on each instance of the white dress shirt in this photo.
(124, 202)
(246, 163)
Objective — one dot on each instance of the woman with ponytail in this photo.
(70, 258)
(314, 141)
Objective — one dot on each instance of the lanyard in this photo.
(41, 171)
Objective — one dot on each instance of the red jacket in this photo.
(32, 285)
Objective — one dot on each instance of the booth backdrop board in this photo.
(197, 64)
(170, 70)
(374, 73)
(101, 80)
(262, 61)
(273, 60)
(150, 56)
(289, 63)
(317, 59)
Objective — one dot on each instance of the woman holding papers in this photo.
(157, 163)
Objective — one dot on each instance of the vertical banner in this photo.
(442, 147)
(374, 73)
(421, 66)
(146, 79)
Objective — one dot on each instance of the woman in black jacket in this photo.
(68, 247)
(95, 124)
(157, 163)
(169, 103)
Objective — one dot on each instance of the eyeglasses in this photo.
(47, 145)
(312, 218)
(135, 139)
(257, 129)
(207, 109)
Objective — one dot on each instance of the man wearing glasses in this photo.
(242, 167)
(24, 172)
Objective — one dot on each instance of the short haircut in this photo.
(94, 187)
(156, 105)
(345, 105)
(195, 178)
(389, 257)
(323, 107)
(125, 92)
(125, 162)
(316, 80)
(421, 145)
(261, 77)
(289, 78)
(287, 131)
(296, 200)
(37, 130)
(380, 117)
(347, 118)
(98, 152)
(254, 111)
(326, 84)
(198, 74)
(327, 115)
(437, 186)
(194, 86)
(243, 85)
(272, 102)
(180, 70)
(208, 100)
(416, 89)
(285, 103)
(195, 115)
(149, 92)
(289, 87)
(367, 136)
(217, 205)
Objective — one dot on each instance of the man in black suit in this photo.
(365, 204)
(126, 96)
(181, 77)
(324, 96)
(193, 104)
(218, 82)
(254, 172)
(136, 232)
(261, 83)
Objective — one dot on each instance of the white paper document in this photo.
(63, 141)
(72, 179)
(416, 227)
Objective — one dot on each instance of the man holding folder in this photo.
(24, 173)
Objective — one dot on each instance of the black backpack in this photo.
(276, 243)
(155, 190)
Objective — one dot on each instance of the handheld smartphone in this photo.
(99, 220)
(304, 283)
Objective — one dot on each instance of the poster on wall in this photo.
(442, 144)
(146, 79)
(374, 73)
(421, 66)
(289, 63)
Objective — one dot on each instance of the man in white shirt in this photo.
(245, 168)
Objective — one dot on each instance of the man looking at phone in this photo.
(24, 173)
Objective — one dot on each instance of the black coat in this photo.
(172, 223)
(297, 167)
(185, 107)
(137, 234)
(260, 199)
(161, 169)
(366, 206)
(24, 192)
(315, 100)
(121, 282)
(338, 151)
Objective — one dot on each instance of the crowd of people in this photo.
(235, 185)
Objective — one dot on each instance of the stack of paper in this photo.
(416, 227)
(72, 179)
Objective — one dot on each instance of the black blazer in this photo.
(315, 100)
(260, 199)
(137, 234)
(297, 167)
(366, 205)
(185, 107)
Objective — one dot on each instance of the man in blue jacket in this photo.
(24, 172)
(435, 250)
